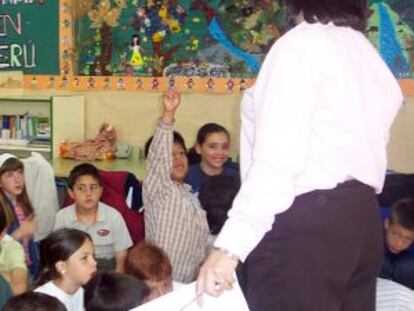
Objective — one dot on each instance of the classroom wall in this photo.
(134, 114)
(401, 144)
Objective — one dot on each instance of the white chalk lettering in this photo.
(18, 55)
(26, 58)
(4, 63)
(15, 52)
(15, 2)
(16, 24)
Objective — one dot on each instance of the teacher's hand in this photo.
(216, 274)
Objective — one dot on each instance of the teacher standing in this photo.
(313, 154)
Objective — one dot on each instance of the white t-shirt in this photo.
(72, 302)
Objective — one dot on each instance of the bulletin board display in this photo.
(83, 60)
(29, 36)
(194, 45)
(217, 39)
(391, 30)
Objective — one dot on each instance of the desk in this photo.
(133, 164)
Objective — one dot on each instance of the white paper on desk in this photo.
(176, 300)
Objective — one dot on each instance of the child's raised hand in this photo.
(171, 99)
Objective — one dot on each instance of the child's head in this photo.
(12, 185)
(399, 227)
(150, 263)
(213, 145)
(85, 186)
(34, 301)
(68, 258)
(179, 153)
(180, 161)
(11, 176)
(112, 291)
(216, 197)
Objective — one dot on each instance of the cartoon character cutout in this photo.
(171, 83)
(155, 84)
(230, 85)
(64, 82)
(210, 85)
(120, 84)
(51, 82)
(190, 84)
(91, 83)
(107, 83)
(33, 82)
(136, 58)
(76, 82)
(138, 84)
(243, 85)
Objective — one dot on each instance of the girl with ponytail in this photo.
(68, 264)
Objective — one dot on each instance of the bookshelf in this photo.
(40, 123)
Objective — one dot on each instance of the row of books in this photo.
(25, 127)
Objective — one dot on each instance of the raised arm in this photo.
(159, 165)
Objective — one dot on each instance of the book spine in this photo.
(24, 126)
(5, 132)
(11, 127)
(35, 125)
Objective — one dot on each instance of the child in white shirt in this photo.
(69, 264)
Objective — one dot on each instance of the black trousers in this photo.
(323, 254)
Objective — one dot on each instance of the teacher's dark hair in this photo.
(352, 13)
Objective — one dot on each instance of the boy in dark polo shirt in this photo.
(103, 223)
(398, 264)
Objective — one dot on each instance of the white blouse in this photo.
(318, 115)
(72, 302)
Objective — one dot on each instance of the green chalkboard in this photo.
(29, 36)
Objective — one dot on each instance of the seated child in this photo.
(212, 147)
(20, 216)
(33, 301)
(398, 263)
(174, 220)
(68, 265)
(103, 223)
(113, 291)
(150, 264)
(12, 265)
(216, 197)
